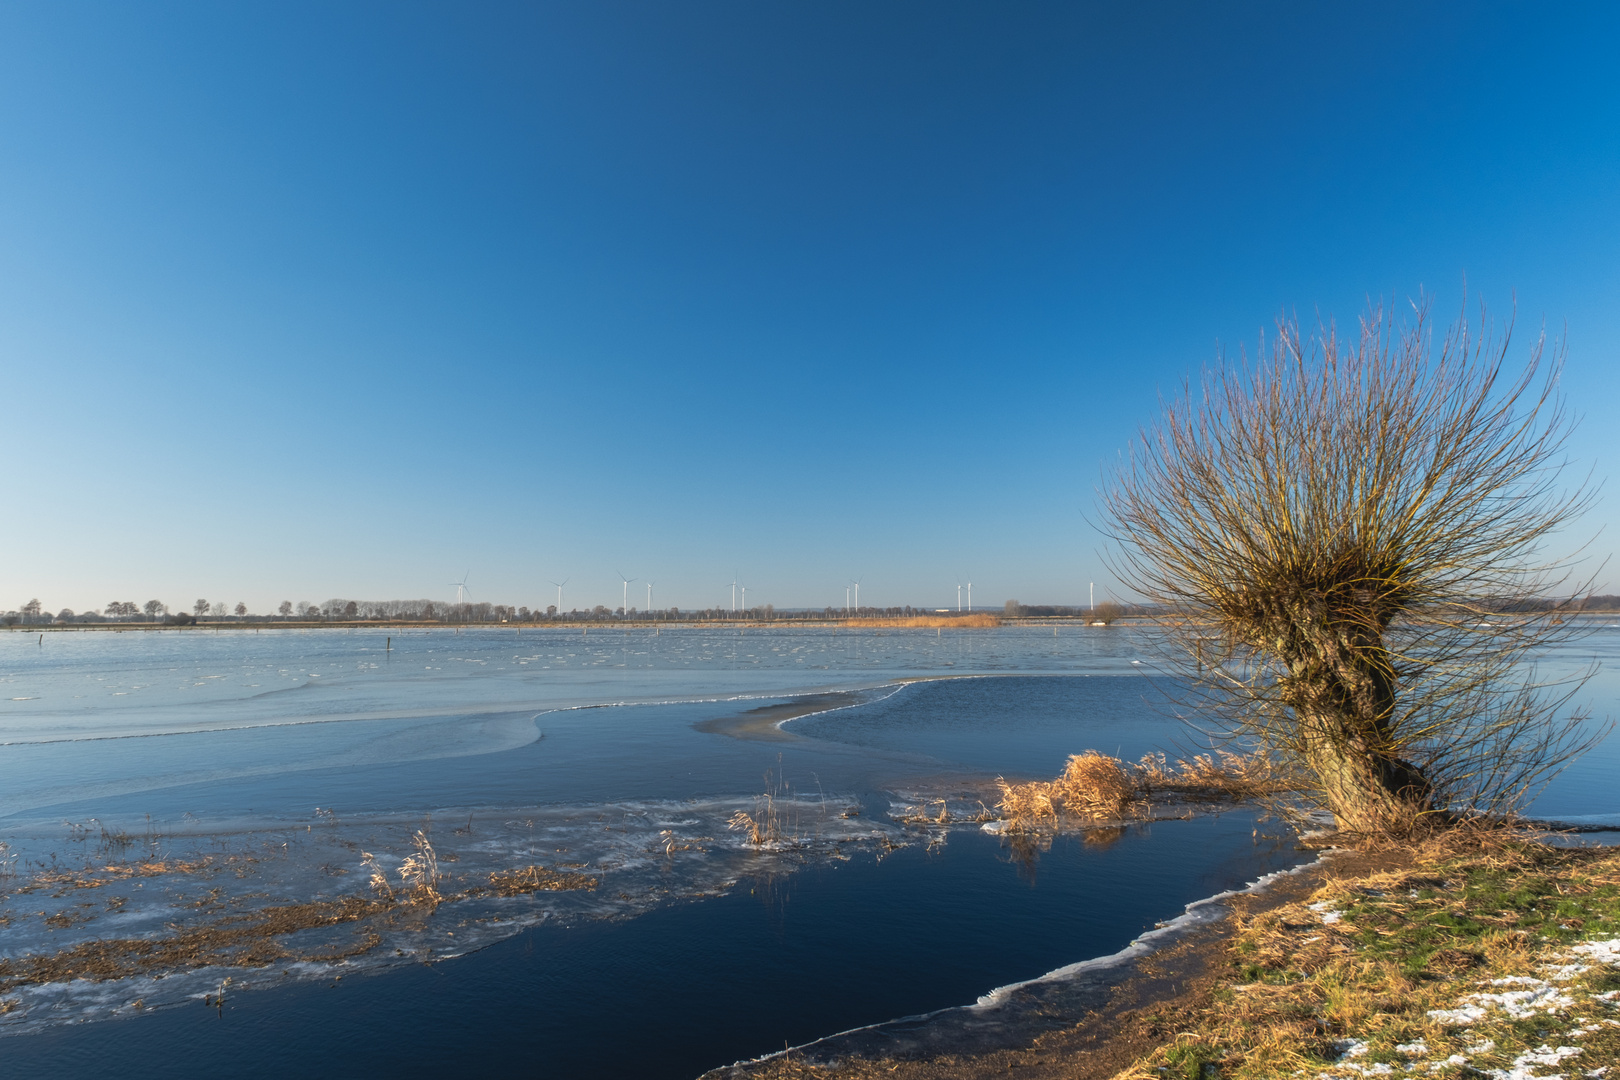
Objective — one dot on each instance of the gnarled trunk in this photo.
(1367, 789)
(1341, 686)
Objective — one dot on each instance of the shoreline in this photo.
(764, 723)
(1037, 1026)
(1398, 964)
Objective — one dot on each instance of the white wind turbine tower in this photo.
(624, 608)
(650, 584)
(744, 589)
(970, 597)
(846, 601)
(461, 588)
(857, 584)
(559, 585)
(958, 596)
(734, 595)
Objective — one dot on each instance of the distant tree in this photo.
(241, 609)
(351, 609)
(551, 611)
(1106, 612)
(523, 614)
(115, 608)
(32, 607)
(154, 608)
(199, 608)
(427, 611)
(65, 614)
(285, 608)
(1012, 609)
(218, 609)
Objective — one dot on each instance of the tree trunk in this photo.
(1366, 790)
(1342, 689)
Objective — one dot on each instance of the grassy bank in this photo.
(1503, 960)
(1472, 957)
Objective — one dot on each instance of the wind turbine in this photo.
(650, 584)
(461, 588)
(734, 595)
(970, 598)
(624, 608)
(744, 589)
(958, 596)
(857, 595)
(846, 601)
(559, 585)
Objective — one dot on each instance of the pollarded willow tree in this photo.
(1349, 540)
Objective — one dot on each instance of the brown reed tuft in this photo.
(929, 622)
(1095, 787)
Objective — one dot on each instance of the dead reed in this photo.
(763, 826)
(929, 622)
(419, 873)
(533, 879)
(1096, 788)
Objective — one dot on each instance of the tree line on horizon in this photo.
(34, 613)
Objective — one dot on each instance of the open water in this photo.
(267, 765)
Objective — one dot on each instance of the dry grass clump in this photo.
(533, 879)
(763, 826)
(1222, 775)
(419, 873)
(930, 622)
(1095, 787)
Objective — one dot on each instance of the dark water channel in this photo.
(697, 984)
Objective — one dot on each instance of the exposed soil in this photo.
(763, 724)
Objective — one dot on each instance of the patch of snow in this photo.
(1325, 909)
(1604, 952)
(1565, 972)
(1542, 1055)
(1416, 1048)
(1518, 1004)
(1454, 1059)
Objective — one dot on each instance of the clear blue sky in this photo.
(306, 300)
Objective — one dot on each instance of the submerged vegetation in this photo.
(230, 936)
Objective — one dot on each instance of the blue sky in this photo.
(312, 300)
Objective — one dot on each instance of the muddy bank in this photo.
(764, 724)
(1088, 1020)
